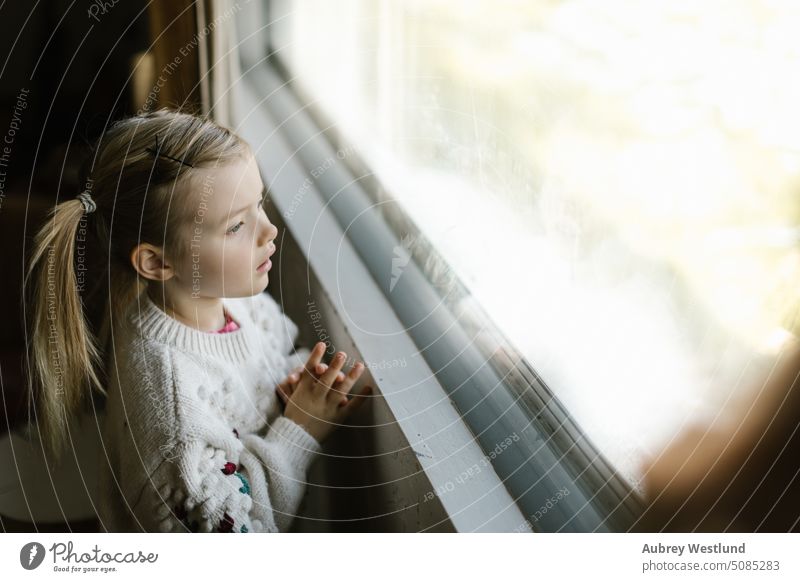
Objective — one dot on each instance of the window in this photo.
(614, 182)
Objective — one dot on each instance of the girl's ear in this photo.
(150, 262)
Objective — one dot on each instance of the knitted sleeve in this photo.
(256, 489)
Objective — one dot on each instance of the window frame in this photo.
(602, 500)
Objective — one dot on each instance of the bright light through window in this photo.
(617, 181)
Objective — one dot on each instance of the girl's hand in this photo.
(286, 388)
(316, 402)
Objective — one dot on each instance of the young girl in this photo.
(196, 358)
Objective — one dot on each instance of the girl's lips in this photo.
(265, 266)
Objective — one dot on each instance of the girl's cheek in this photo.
(234, 256)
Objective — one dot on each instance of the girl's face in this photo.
(228, 237)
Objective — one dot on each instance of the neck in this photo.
(201, 313)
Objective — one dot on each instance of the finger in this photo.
(352, 377)
(314, 358)
(329, 376)
(286, 388)
(320, 369)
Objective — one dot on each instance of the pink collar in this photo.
(230, 325)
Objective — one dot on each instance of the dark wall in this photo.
(74, 68)
(63, 75)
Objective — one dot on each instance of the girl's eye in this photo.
(259, 207)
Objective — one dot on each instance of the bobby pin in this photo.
(157, 152)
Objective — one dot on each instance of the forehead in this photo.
(217, 193)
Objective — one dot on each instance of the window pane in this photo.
(615, 181)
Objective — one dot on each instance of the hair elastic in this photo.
(88, 204)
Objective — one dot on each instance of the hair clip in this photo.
(157, 152)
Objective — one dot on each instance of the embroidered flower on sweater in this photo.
(231, 469)
(187, 520)
(225, 524)
(245, 488)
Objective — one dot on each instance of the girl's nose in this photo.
(268, 230)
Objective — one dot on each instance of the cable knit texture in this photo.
(194, 439)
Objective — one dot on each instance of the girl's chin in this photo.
(264, 282)
(253, 287)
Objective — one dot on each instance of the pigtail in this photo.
(64, 362)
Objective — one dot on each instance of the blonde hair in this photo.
(141, 195)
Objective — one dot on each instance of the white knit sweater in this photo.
(194, 438)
